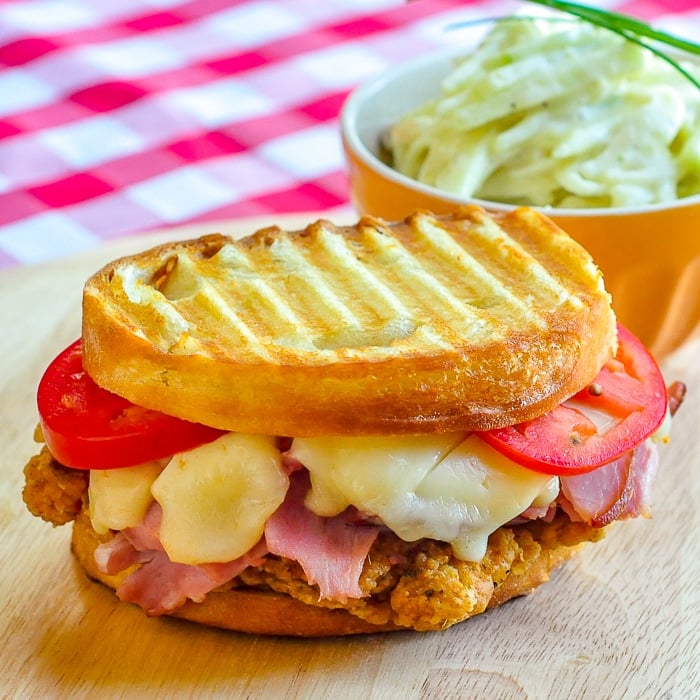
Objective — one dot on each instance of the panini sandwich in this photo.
(346, 430)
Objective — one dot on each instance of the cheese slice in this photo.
(217, 498)
(453, 488)
(119, 498)
(470, 494)
(367, 471)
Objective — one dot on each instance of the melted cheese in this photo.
(451, 488)
(217, 498)
(365, 471)
(119, 498)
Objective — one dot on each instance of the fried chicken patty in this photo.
(51, 491)
(419, 585)
(423, 586)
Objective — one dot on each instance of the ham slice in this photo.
(545, 513)
(646, 465)
(615, 491)
(331, 551)
(145, 536)
(159, 585)
(118, 554)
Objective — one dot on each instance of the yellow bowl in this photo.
(650, 255)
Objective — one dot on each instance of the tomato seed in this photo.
(595, 389)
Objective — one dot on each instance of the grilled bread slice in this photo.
(467, 322)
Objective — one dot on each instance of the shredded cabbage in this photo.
(556, 113)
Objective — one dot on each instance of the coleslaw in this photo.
(561, 113)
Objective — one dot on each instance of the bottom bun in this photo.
(256, 611)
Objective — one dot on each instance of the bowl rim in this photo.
(376, 84)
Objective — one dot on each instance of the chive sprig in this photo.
(632, 29)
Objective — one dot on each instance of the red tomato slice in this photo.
(624, 405)
(87, 427)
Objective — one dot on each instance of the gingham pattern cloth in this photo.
(129, 116)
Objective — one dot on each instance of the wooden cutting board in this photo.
(620, 621)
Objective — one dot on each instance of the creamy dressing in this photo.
(556, 113)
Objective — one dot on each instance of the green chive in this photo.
(633, 30)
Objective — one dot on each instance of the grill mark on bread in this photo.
(372, 301)
(494, 258)
(480, 288)
(432, 301)
(470, 321)
(267, 311)
(225, 299)
(372, 289)
(315, 288)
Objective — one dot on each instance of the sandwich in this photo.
(345, 430)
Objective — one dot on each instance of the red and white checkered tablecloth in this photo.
(121, 117)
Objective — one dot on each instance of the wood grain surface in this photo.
(622, 620)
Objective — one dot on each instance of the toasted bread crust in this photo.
(515, 566)
(468, 322)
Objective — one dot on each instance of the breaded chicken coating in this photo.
(51, 491)
(422, 585)
(419, 585)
